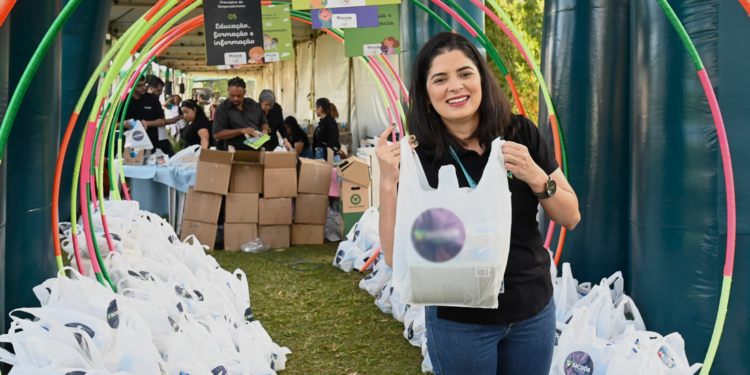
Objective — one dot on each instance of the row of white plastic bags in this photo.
(600, 331)
(354, 252)
(176, 311)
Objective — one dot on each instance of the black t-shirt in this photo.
(300, 136)
(528, 285)
(228, 116)
(275, 119)
(190, 132)
(148, 108)
(327, 135)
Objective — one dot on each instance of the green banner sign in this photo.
(277, 33)
(382, 40)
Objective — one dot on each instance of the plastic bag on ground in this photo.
(414, 325)
(383, 301)
(374, 282)
(455, 254)
(254, 246)
(360, 262)
(346, 254)
(426, 363)
(333, 225)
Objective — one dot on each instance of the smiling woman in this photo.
(457, 111)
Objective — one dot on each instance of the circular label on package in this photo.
(355, 199)
(438, 235)
(137, 135)
(578, 363)
(340, 256)
(113, 316)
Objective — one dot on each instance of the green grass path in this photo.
(329, 323)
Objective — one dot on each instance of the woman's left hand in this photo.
(519, 162)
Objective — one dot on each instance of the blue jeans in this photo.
(497, 349)
(320, 154)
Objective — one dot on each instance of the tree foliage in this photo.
(527, 15)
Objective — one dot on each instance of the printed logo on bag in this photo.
(355, 199)
(249, 315)
(199, 295)
(557, 336)
(115, 237)
(76, 373)
(411, 330)
(179, 306)
(665, 358)
(113, 316)
(579, 363)
(139, 275)
(83, 328)
(340, 256)
(83, 345)
(137, 135)
(370, 276)
(438, 235)
(219, 371)
(174, 324)
(182, 292)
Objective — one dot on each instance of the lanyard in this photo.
(468, 178)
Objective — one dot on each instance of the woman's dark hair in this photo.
(292, 122)
(328, 108)
(195, 106)
(237, 82)
(425, 123)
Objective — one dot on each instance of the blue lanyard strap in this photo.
(468, 178)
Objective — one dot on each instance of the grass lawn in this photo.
(329, 323)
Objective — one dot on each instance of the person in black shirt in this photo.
(198, 130)
(275, 116)
(237, 117)
(146, 108)
(298, 138)
(456, 102)
(327, 133)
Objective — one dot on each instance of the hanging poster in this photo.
(234, 29)
(385, 39)
(345, 18)
(320, 4)
(277, 33)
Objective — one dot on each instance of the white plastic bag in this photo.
(414, 325)
(565, 293)
(360, 262)
(426, 363)
(383, 301)
(186, 158)
(158, 158)
(136, 138)
(624, 309)
(579, 350)
(346, 255)
(374, 282)
(451, 244)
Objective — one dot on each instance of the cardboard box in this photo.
(276, 211)
(214, 170)
(355, 170)
(130, 157)
(205, 232)
(311, 209)
(247, 172)
(276, 236)
(308, 234)
(314, 177)
(279, 160)
(368, 153)
(202, 207)
(241, 208)
(353, 197)
(280, 183)
(238, 234)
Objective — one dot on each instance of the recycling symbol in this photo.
(356, 199)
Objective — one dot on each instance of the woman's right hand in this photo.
(389, 157)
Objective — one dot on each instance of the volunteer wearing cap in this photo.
(146, 108)
(237, 117)
(275, 116)
(457, 110)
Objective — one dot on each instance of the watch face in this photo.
(551, 187)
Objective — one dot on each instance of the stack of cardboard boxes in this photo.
(354, 195)
(311, 206)
(259, 190)
(242, 203)
(203, 202)
(279, 187)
